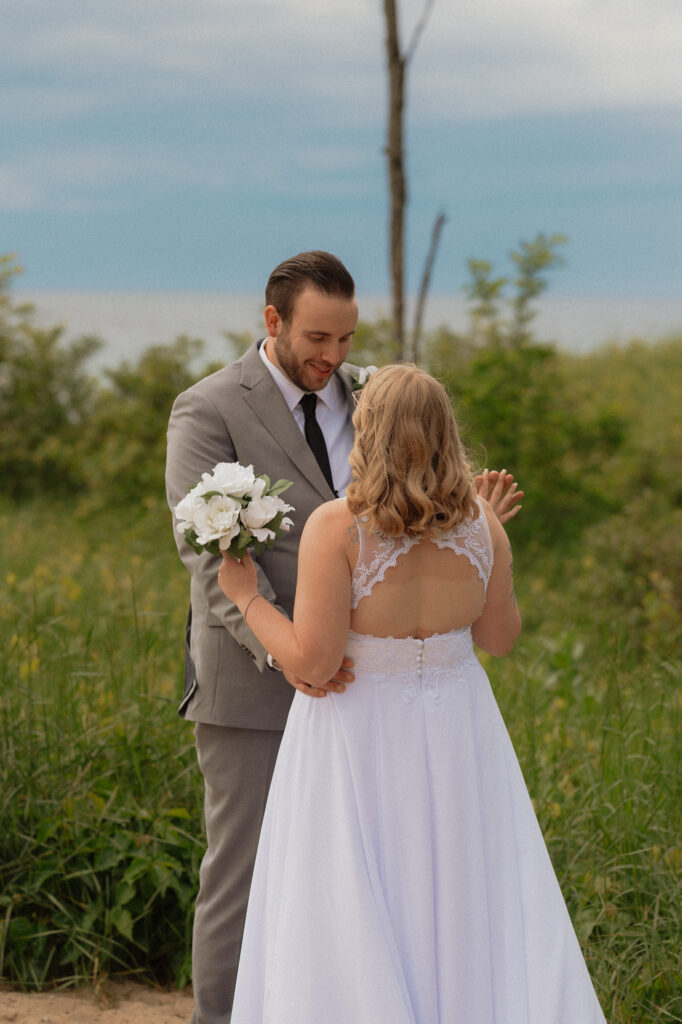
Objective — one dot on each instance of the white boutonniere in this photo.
(360, 375)
(231, 509)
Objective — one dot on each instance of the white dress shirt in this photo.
(332, 414)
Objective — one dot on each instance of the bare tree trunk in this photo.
(397, 63)
(426, 280)
(396, 172)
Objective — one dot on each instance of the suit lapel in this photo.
(344, 375)
(267, 403)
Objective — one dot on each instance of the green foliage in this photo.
(63, 432)
(124, 446)
(600, 753)
(111, 887)
(46, 398)
(515, 402)
(100, 803)
(449, 354)
(632, 570)
(374, 344)
(484, 294)
(641, 385)
(240, 341)
(531, 260)
(515, 406)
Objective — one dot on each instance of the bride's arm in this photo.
(499, 624)
(313, 645)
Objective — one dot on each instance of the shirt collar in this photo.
(331, 394)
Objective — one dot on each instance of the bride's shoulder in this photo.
(495, 528)
(330, 529)
(332, 517)
(485, 507)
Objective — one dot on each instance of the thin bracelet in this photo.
(248, 604)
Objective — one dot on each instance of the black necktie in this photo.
(315, 437)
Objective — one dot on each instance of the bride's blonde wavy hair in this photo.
(410, 471)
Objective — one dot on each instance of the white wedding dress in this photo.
(401, 876)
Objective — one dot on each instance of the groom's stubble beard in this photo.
(293, 367)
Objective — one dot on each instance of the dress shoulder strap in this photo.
(472, 539)
(377, 554)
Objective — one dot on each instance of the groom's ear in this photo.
(273, 321)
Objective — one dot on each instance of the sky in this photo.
(190, 145)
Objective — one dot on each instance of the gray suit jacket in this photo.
(239, 414)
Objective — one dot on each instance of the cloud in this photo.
(476, 57)
(16, 193)
(485, 58)
(90, 177)
(26, 103)
(171, 108)
(206, 39)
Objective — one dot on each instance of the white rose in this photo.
(230, 478)
(225, 541)
(261, 511)
(263, 535)
(219, 518)
(185, 510)
(257, 490)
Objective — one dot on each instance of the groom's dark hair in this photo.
(319, 270)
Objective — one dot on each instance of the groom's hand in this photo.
(499, 488)
(343, 676)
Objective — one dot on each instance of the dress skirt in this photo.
(402, 877)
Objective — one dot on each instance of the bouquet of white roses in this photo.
(232, 509)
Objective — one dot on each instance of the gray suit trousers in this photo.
(237, 766)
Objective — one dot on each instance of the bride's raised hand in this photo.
(499, 488)
(237, 579)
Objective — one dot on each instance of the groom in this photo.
(285, 407)
(252, 412)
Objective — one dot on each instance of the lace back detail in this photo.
(473, 541)
(378, 553)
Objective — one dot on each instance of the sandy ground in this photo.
(117, 1003)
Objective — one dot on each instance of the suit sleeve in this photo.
(198, 438)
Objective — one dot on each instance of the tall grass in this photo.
(598, 739)
(100, 800)
(100, 803)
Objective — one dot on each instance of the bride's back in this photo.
(412, 480)
(415, 588)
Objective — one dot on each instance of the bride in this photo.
(401, 875)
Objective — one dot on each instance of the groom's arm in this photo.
(198, 439)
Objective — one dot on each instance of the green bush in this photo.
(46, 399)
(516, 411)
(631, 573)
(124, 446)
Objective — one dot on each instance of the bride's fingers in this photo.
(501, 483)
(508, 496)
(506, 516)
